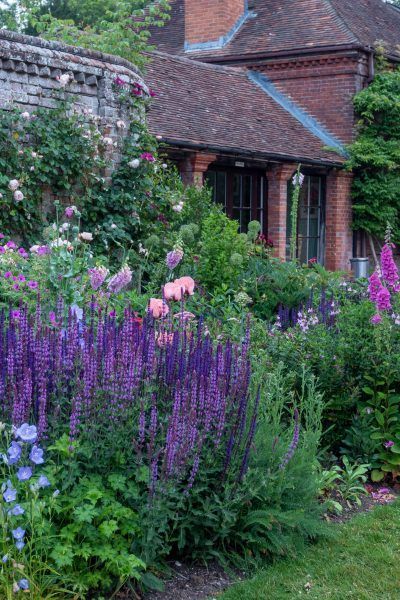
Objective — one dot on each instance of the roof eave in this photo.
(242, 152)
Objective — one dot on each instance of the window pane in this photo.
(314, 191)
(245, 220)
(210, 179)
(236, 190)
(313, 248)
(246, 191)
(220, 189)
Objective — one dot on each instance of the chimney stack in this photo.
(211, 23)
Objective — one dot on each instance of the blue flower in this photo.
(36, 455)
(14, 453)
(24, 473)
(27, 433)
(20, 545)
(23, 584)
(43, 481)
(5, 558)
(16, 511)
(10, 495)
(18, 534)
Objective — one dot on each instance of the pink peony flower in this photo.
(187, 283)
(172, 291)
(158, 308)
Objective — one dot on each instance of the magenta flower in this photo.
(376, 319)
(383, 299)
(119, 81)
(16, 287)
(21, 277)
(2, 250)
(69, 212)
(374, 287)
(7, 275)
(12, 245)
(390, 272)
(33, 285)
(42, 250)
(97, 277)
(147, 156)
(389, 444)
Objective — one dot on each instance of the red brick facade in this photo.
(278, 177)
(323, 85)
(209, 20)
(339, 239)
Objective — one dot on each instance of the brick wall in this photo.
(209, 20)
(29, 68)
(324, 86)
(339, 236)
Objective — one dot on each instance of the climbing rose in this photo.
(13, 185)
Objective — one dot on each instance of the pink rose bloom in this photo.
(158, 308)
(172, 291)
(187, 283)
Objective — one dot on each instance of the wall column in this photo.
(339, 236)
(193, 167)
(278, 177)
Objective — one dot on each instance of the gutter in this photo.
(239, 152)
(250, 57)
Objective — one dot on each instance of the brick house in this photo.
(248, 89)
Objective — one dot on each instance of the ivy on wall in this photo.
(375, 156)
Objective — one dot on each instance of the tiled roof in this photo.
(287, 25)
(219, 108)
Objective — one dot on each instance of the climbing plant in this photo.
(375, 155)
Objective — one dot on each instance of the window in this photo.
(241, 193)
(310, 221)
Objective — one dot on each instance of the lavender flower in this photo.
(18, 534)
(27, 433)
(24, 473)
(14, 453)
(23, 584)
(120, 280)
(16, 511)
(36, 455)
(43, 482)
(10, 495)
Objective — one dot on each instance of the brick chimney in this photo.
(212, 22)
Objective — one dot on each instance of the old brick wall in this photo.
(29, 72)
(323, 85)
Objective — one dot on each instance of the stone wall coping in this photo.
(12, 41)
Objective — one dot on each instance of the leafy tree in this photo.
(375, 156)
(118, 27)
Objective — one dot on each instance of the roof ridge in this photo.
(342, 21)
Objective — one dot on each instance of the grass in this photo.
(360, 563)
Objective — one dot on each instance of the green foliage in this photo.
(95, 520)
(375, 155)
(223, 251)
(119, 28)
